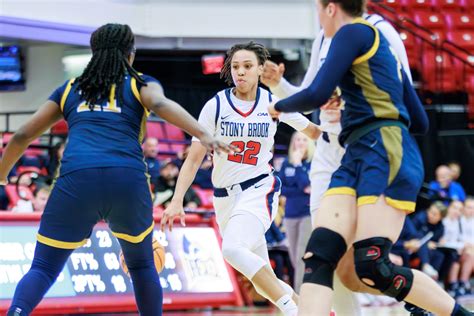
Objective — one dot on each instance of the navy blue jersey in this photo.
(373, 87)
(108, 136)
(373, 83)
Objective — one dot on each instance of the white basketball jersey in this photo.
(247, 126)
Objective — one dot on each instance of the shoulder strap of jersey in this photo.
(136, 92)
(218, 109)
(66, 93)
(371, 52)
(269, 96)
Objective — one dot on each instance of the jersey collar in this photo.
(227, 94)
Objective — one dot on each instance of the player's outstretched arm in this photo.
(48, 114)
(154, 99)
(312, 131)
(188, 171)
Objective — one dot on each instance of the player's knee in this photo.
(349, 279)
(375, 269)
(232, 252)
(325, 249)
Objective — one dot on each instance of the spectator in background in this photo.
(278, 253)
(430, 222)
(444, 188)
(410, 244)
(41, 198)
(455, 170)
(452, 245)
(203, 177)
(296, 188)
(165, 185)
(467, 257)
(150, 151)
(55, 159)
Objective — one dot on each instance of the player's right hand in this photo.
(272, 73)
(173, 210)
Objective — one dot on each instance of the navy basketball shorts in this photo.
(79, 199)
(385, 161)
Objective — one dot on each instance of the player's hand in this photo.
(273, 113)
(217, 146)
(173, 210)
(332, 108)
(272, 74)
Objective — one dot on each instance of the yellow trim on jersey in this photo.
(341, 190)
(392, 141)
(374, 47)
(66, 93)
(378, 99)
(148, 180)
(59, 244)
(135, 239)
(141, 136)
(368, 199)
(136, 93)
(407, 206)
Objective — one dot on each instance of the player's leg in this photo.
(47, 264)
(130, 217)
(67, 221)
(262, 251)
(305, 229)
(375, 269)
(326, 160)
(291, 233)
(243, 233)
(335, 230)
(145, 279)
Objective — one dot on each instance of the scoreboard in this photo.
(195, 274)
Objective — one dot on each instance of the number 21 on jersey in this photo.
(110, 106)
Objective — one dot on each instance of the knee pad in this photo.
(324, 250)
(372, 263)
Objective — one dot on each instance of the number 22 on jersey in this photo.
(248, 152)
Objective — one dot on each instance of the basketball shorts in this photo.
(384, 161)
(260, 200)
(120, 196)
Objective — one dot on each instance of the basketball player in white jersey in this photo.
(245, 190)
(329, 152)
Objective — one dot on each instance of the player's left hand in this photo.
(273, 113)
(173, 210)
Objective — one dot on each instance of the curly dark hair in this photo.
(260, 51)
(111, 45)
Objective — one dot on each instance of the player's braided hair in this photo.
(111, 45)
(260, 51)
(352, 7)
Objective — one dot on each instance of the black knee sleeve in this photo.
(372, 263)
(327, 248)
